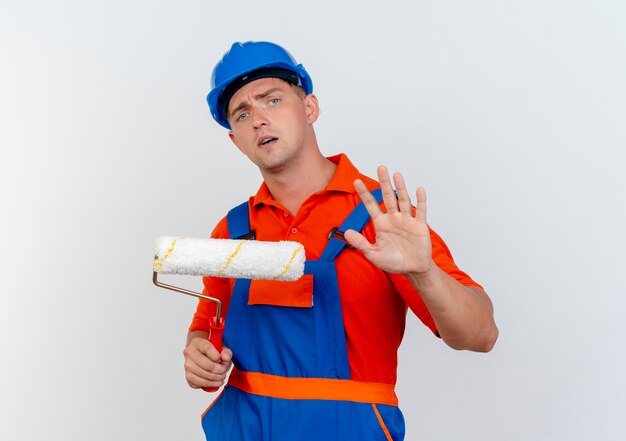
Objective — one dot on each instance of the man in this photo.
(316, 358)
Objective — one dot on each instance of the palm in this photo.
(402, 238)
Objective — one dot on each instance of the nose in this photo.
(259, 117)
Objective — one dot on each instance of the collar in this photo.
(342, 180)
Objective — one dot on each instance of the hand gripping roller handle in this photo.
(248, 259)
(216, 330)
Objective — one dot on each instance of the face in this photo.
(272, 122)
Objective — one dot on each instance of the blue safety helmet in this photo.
(249, 61)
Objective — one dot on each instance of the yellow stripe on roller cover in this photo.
(293, 257)
(158, 264)
(230, 259)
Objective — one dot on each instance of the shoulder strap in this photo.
(239, 222)
(355, 221)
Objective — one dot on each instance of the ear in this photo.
(312, 108)
(234, 139)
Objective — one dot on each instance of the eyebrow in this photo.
(260, 96)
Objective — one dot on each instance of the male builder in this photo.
(316, 359)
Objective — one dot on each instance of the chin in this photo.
(273, 164)
(272, 167)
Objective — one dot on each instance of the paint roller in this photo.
(241, 259)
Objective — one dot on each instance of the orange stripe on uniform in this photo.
(290, 388)
(211, 405)
(382, 423)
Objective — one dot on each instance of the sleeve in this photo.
(443, 259)
(218, 287)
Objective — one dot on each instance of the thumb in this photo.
(357, 240)
(226, 354)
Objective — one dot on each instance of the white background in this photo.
(511, 114)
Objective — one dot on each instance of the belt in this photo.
(298, 388)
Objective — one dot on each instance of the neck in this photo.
(292, 186)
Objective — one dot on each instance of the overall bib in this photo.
(291, 379)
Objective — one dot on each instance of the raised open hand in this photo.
(402, 238)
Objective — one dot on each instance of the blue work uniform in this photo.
(306, 344)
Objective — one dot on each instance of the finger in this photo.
(357, 240)
(370, 202)
(203, 347)
(198, 376)
(389, 196)
(195, 359)
(226, 354)
(197, 382)
(210, 351)
(404, 201)
(420, 212)
(214, 372)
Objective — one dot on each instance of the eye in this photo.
(274, 101)
(243, 116)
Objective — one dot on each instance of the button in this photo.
(294, 230)
(286, 214)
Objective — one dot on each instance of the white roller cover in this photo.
(246, 259)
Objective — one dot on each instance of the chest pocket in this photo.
(296, 294)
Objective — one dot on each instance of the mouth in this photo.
(267, 141)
